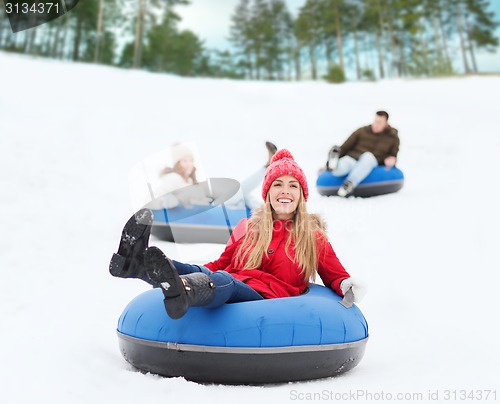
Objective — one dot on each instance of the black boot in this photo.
(128, 262)
(180, 291)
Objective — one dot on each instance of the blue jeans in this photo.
(358, 169)
(228, 289)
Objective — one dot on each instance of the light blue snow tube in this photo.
(380, 181)
(267, 341)
(197, 224)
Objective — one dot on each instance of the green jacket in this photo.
(382, 145)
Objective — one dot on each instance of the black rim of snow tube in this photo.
(209, 364)
(366, 190)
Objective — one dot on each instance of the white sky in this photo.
(211, 19)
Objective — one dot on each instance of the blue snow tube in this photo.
(196, 224)
(305, 337)
(380, 181)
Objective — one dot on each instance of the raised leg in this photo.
(195, 288)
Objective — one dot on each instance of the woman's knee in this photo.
(222, 279)
(205, 270)
(224, 283)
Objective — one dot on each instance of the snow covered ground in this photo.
(69, 134)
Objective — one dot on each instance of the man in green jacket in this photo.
(366, 148)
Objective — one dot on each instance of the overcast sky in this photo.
(210, 20)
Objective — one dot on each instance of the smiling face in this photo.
(284, 195)
(185, 166)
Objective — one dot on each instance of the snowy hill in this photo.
(69, 133)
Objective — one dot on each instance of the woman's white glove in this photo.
(358, 288)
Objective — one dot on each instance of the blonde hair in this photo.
(305, 230)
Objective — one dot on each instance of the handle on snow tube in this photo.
(348, 299)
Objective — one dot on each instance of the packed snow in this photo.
(69, 136)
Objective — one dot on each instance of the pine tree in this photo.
(259, 34)
(308, 31)
(240, 36)
(2, 25)
(83, 17)
(278, 22)
(262, 32)
(99, 31)
(480, 27)
(139, 33)
(371, 28)
(145, 19)
(353, 19)
(461, 33)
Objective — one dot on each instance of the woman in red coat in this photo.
(273, 254)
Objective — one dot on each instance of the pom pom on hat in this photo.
(281, 154)
(283, 163)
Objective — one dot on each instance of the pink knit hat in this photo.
(283, 163)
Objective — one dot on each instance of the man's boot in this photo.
(346, 189)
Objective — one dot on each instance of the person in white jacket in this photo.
(183, 173)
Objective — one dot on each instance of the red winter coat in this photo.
(278, 276)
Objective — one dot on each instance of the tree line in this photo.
(326, 39)
(383, 38)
